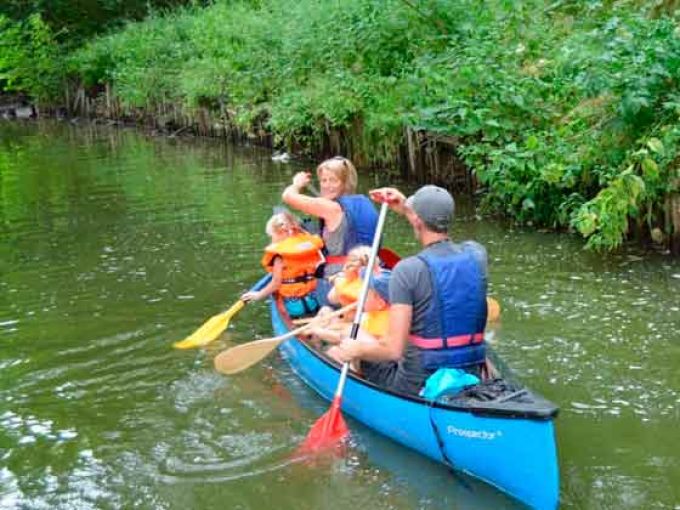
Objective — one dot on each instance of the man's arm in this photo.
(393, 197)
(391, 347)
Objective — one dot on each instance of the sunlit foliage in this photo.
(566, 110)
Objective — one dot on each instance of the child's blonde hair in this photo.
(283, 223)
(359, 255)
(344, 170)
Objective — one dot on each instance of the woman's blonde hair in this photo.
(344, 170)
(283, 222)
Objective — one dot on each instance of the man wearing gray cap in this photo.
(438, 300)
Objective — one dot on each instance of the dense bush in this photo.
(567, 111)
(83, 18)
(30, 58)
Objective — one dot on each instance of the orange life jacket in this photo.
(301, 255)
(347, 291)
(376, 323)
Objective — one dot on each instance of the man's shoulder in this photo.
(409, 265)
(407, 279)
(472, 246)
(477, 251)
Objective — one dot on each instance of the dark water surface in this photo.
(113, 245)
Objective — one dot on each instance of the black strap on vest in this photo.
(299, 279)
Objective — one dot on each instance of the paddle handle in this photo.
(314, 322)
(259, 285)
(364, 293)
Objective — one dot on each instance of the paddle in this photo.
(214, 326)
(493, 309)
(240, 357)
(330, 429)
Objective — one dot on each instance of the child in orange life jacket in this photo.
(347, 284)
(345, 289)
(292, 257)
(375, 319)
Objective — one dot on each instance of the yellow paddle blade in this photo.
(212, 328)
(493, 310)
(240, 357)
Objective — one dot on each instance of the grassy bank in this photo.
(566, 111)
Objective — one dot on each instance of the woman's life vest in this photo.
(458, 306)
(347, 290)
(362, 220)
(301, 255)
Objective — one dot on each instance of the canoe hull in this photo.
(516, 455)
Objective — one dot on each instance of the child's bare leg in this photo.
(331, 334)
(324, 310)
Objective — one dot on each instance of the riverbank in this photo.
(565, 116)
(423, 157)
(419, 156)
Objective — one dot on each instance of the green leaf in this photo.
(552, 173)
(650, 168)
(655, 145)
(587, 223)
(532, 143)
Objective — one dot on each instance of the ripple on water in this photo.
(29, 429)
(196, 387)
(9, 326)
(228, 439)
(10, 492)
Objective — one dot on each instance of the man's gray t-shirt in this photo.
(411, 285)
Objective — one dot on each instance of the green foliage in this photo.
(30, 58)
(567, 111)
(84, 18)
(634, 194)
(550, 113)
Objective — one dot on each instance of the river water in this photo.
(115, 244)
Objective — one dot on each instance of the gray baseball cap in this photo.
(433, 205)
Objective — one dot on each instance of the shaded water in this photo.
(114, 245)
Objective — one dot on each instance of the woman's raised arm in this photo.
(324, 208)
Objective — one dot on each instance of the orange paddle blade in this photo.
(493, 309)
(327, 433)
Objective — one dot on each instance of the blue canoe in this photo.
(508, 442)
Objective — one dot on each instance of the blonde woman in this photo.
(346, 219)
